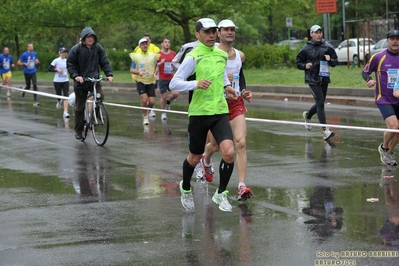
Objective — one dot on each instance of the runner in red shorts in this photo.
(237, 112)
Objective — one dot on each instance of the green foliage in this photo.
(119, 24)
(119, 60)
(268, 56)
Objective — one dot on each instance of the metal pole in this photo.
(325, 26)
(343, 19)
(386, 4)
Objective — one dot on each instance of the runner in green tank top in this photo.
(208, 110)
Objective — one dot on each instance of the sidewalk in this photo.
(342, 96)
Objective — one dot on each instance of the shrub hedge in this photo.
(269, 56)
(256, 56)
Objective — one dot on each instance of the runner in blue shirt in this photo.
(6, 63)
(29, 60)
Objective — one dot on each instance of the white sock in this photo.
(241, 184)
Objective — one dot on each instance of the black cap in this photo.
(62, 49)
(393, 33)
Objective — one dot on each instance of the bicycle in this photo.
(96, 115)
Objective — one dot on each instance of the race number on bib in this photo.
(324, 69)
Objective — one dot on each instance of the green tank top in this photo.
(210, 63)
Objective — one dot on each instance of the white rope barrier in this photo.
(247, 118)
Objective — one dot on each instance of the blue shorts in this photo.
(163, 86)
(388, 110)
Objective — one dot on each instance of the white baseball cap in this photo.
(226, 23)
(205, 24)
(315, 28)
(142, 40)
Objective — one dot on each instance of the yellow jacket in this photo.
(145, 62)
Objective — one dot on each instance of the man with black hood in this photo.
(83, 61)
(316, 58)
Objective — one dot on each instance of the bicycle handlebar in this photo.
(94, 79)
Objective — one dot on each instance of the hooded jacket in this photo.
(313, 52)
(84, 61)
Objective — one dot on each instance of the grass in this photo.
(341, 76)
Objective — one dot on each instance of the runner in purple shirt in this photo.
(385, 65)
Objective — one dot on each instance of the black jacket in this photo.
(85, 62)
(314, 52)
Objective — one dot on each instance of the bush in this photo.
(119, 60)
(269, 56)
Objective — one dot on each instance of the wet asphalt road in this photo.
(64, 202)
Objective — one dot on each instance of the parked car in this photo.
(294, 44)
(379, 46)
(342, 50)
(334, 43)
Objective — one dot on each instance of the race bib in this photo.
(145, 70)
(168, 69)
(392, 76)
(324, 69)
(236, 83)
(6, 65)
(31, 63)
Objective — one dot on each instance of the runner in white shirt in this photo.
(61, 81)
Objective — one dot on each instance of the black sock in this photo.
(225, 171)
(188, 171)
(385, 149)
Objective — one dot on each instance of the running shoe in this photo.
(386, 157)
(23, 94)
(151, 113)
(207, 170)
(58, 105)
(167, 107)
(222, 200)
(327, 134)
(305, 116)
(244, 193)
(66, 115)
(163, 116)
(199, 173)
(145, 120)
(36, 103)
(186, 198)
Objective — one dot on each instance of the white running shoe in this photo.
(327, 134)
(199, 173)
(145, 120)
(151, 113)
(222, 200)
(66, 115)
(163, 116)
(305, 116)
(186, 198)
(58, 105)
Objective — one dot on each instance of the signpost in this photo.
(326, 7)
(288, 24)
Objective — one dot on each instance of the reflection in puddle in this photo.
(389, 232)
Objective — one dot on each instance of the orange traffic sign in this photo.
(326, 6)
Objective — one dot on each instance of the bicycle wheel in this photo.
(100, 125)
